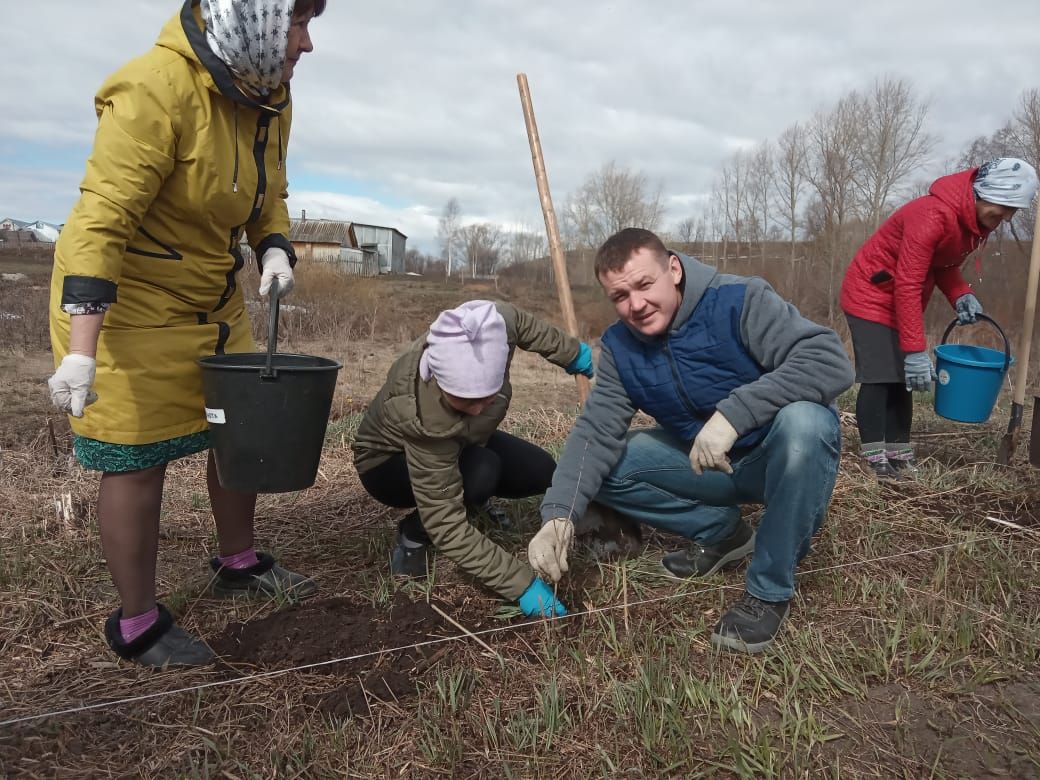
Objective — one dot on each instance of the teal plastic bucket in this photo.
(970, 377)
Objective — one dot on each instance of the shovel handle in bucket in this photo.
(272, 331)
(991, 321)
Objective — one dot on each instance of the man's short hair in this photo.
(618, 249)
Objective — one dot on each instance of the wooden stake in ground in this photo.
(563, 287)
(1006, 450)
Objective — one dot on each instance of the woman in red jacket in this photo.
(886, 289)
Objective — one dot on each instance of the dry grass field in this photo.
(912, 649)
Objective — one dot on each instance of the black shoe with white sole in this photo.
(750, 625)
(700, 560)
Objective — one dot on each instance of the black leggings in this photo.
(884, 412)
(507, 467)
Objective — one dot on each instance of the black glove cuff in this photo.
(275, 240)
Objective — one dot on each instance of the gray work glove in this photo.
(919, 371)
(711, 447)
(968, 308)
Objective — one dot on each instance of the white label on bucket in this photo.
(215, 416)
(944, 377)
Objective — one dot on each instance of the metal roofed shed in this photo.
(387, 242)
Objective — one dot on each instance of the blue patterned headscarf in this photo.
(1006, 181)
(250, 37)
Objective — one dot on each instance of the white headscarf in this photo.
(249, 36)
(1006, 181)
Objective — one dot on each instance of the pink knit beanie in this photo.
(467, 350)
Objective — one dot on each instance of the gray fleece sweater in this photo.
(800, 361)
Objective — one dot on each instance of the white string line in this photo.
(441, 640)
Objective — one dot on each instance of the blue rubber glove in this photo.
(968, 308)
(538, 601)
(919, 371)
(582, 364)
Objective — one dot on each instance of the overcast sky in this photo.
(406, 103)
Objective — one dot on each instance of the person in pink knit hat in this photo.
(429, 442)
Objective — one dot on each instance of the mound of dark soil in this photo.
(321, 631)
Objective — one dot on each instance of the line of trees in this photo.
(819, 189)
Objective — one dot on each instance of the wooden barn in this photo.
(320, 240)
(332, 241)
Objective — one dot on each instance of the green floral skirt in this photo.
(103, 456)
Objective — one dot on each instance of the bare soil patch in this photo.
(321, 631)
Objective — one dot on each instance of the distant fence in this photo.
(357, 262)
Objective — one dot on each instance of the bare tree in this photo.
(731, 196)
(759, 195)
(789, 179)
(833, 138)
(526, 246)
(717, 221)
(1025, 129)
(448, 231)
(987, 147)
(415, 261)
(482, 245)
(891, 144)
(685, 230)
(611, 199)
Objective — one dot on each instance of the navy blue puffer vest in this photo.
(678, 380)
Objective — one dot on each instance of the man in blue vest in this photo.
(741, 387)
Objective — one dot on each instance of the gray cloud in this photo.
(405, 104)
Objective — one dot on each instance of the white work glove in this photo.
(712, 445)
(547, 552)
(275, 263)
(71, 383)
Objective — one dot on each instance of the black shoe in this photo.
(495, 514)
(883, 470)
(408, 561)
(163, 644)
(701, 561)
(750, 625)
(265, 579)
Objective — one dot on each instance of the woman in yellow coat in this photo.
(189, 155)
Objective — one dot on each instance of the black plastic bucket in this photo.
(268, 413)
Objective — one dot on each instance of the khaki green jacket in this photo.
(409, 415)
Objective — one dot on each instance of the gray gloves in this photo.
(968, 308)
(920, 373)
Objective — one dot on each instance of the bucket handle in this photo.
(991, 321)
(269, 371)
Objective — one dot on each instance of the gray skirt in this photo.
(879, 359)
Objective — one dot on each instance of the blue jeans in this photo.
(792, 471)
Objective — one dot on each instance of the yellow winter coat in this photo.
(183, 162)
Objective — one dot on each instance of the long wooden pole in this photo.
(563, 287)
(1008, 443)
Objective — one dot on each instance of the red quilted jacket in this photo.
(920, 247)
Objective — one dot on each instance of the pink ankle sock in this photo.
(242, 560)
(131, 628)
